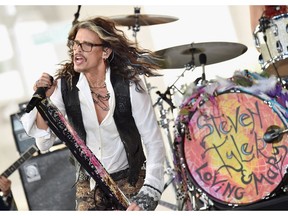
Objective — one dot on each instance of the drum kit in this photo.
(221, 159)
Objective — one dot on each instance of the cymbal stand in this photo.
(136, 26)
(183, 198)
(164, 123)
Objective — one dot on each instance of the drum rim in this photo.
(279, 16)
(275, 60)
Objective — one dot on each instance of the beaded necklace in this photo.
(100, 99)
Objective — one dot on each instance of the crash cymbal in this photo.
(142, 19)
(215, 52)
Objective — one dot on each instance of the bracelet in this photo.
(6, 197)
(147, 185)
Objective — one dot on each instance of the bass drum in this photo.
(224, 150)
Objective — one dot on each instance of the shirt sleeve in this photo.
(9, 202)
(44, 138)
(149, 130)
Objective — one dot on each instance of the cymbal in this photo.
(182, 56)
(142, 19)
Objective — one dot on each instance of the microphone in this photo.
(39, 95)
(203, 60)
(274, 134)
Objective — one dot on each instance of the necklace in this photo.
(99, 100)
(97, 87)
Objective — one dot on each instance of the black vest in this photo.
(123, 119)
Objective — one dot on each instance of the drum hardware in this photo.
(274, 134)
(185, 193)
(197, 199)
(169, 171)
(164, 120)
(206, 201)
(197, 80)
(194, 198)
(264, 24)
(164, 123)
(284, 188)
(203, 60)
(180, 56)
(168, 205)
(166, 96)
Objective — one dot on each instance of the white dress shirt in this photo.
(103, 139)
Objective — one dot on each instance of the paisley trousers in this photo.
(96, 199)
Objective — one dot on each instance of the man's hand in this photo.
(5, 185)
(134, 207)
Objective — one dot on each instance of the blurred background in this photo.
(33, 40)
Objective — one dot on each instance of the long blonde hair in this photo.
(126, 59)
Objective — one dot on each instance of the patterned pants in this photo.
(97, 200)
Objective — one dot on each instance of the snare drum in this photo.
(273, 45)
(224, 150)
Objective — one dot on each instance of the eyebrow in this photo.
(84, 42)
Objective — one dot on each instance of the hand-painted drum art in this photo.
(224, 150)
